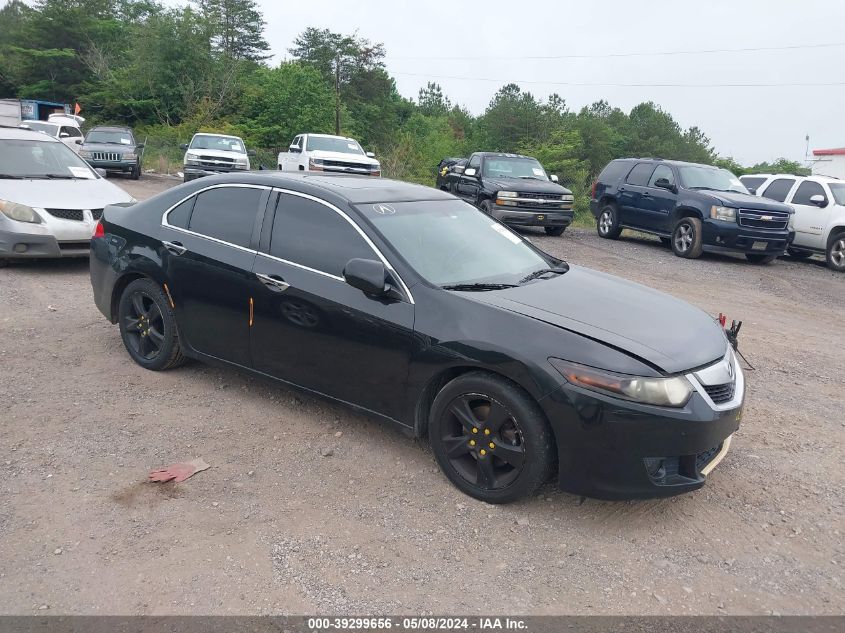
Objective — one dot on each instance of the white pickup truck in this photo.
(323, 152)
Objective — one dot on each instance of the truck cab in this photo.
(516, 190)
(324, 152)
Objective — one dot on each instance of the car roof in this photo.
(20, 133)
(109, 128)
(810, 177)
(502, 155)
(217, 135)
(351, 188)
(345, 138)
(664, 161)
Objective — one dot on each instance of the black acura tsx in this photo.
(417, 308)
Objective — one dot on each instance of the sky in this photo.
(472, 48)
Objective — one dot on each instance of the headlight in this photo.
(662, 392)
(728, 214)
(568, 197)
(130, 156)
(315, 164)
(84, 153)
(791, 223)
(19, 212)
(191, 159)
(507, 194)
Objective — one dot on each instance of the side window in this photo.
(180, 215)
(71, 131)
(311, 234)
(806, 190)
(297, 141)
(752, 182)
(661, 171)
(475, 162)
(614, 170)
(640, 174)
(226, 213)
(778, 189)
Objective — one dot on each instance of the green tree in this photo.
(511, 118)
(432, 102)
(237, 28)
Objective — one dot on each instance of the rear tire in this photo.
(759, 258)
(152, 341)
(607, 224)
(835, 253)
(555, 231)
(522, 456)
(686, 238)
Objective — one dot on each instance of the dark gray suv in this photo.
(113, 149)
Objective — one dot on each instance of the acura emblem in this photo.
(384, 209)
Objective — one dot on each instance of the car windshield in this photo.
(693, 177)
(116, 137)
(451, 242)
(507, 167)
(23, 158)
(41, 126)
(838, 191)
(218, 143)
(333, 144)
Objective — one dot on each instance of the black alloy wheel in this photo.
(490, 438)
(148, 326)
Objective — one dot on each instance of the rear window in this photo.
(640, 174)
(615, 170)
(752, 182)
(779, 189)
(226, 214)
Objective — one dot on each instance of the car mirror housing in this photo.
(183, 146)
(554, 178)
(251, 152)
(294, 149)
(368, 275)
(470, 171)
(818, 200)
(140, 146)
(663, 183)
(371, 155)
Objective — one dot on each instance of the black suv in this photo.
(113, 149)
(515, 190)
(693, 207)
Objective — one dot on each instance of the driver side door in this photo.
(467, 187)
(810, 218)
(310, 327)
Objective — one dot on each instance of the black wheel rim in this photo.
(482, 441)
(144, 325)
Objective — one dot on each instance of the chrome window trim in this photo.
(360, 232)
(739, 383)
(308, 268)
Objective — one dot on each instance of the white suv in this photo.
(323, 152)
(819, 204)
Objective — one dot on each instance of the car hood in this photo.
(111, 148)
(217, 153)
(525, 185)
(343, 157)
(63, 194)
(745, 201)
(666, 332)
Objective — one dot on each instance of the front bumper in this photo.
(718, 236)
(112, 165)
(612, 449)
(532, 217)
(52, 237)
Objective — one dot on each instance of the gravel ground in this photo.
(277, 527)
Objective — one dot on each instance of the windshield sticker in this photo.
(504, 232)
(351, 146)
(125, 141)
(384, 209)
(80, 172)
(537, 171)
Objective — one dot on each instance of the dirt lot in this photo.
(275, 527)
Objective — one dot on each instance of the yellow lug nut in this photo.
(486, 431)
(472, 442)
(475, 430)
(491, 445)
(483, 452)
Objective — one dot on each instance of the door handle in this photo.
(273, 282)
(174, 247)
(646, 195)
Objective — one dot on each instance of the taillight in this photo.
(99, 230)
(593, 190)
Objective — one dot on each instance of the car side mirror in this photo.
(251, 152)
(470, 171)
(140, 146)
(183, 146)
(554, 178)
(371, 155)
(295, 149)
(663, 183)
(819, 200)
(752, 191)
(367, 275)
(78, 141)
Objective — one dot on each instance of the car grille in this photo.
(113, 156)
(541, 196)
(705, 457)
(67, 214)
(97, 213)
(341, 165)
(720, 393)
(756, 219)
(216, 159)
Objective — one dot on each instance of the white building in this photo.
(829, 162)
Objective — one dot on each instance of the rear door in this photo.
(810, 218)
(210, 242)
(313, 329)
(630, 196)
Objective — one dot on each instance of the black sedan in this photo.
(418, 309)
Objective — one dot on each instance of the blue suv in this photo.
(692, 207)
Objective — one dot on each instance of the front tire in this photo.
(555, 231)
(148, 326)
(686, 238)
(607, 224)
(135, 174)
(759, 258)
(490, 438)
(485, 207)
(835, 254)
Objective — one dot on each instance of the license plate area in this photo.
(759, 246)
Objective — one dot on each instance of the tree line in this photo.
(171, 71)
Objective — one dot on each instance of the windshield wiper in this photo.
(544, 271)
(480, 287)
(12, 177)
